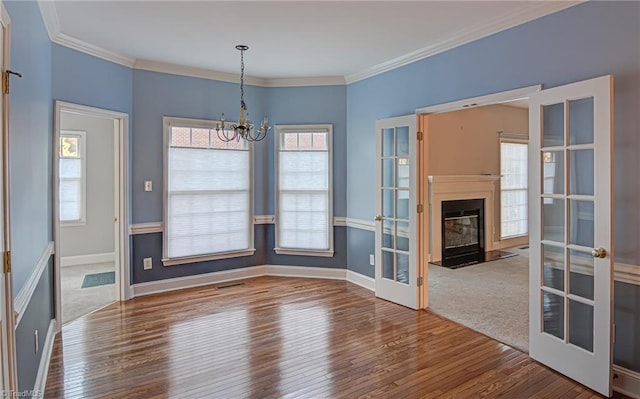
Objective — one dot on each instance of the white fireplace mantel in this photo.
(461, 187)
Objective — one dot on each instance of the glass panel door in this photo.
(571, 247)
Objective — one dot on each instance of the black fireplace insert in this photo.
(463, 233)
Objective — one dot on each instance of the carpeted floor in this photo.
(78, 301)
(491, 298)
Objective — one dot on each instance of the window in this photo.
(514, 209)
(304, 200)
(208, 195)
(72, 178)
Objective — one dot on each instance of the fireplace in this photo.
(463, 233)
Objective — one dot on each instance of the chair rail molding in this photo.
(26, 292)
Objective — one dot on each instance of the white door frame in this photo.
(8, 365)
(121, 193)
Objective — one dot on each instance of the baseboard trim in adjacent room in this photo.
(627, 383)
(45, 359)
(305, 272)
(361, 280)
(179, 283)
(26, 292)
(87, 259)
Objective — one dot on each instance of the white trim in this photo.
(24, 296)
(5, 20)
(361, 280)
(305, 272)
(310, 81)
(625, 273)
(179, 283)
(87, 259)
(627, 383)
(302, 252)
(340, 221)
(146, 228)
(50, 17)
(264, 219)
(204, 258)
(498, 24)
(360, 224)
(82, 150)
(45, 358)
(80, 45)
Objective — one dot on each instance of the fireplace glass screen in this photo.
(461, 231)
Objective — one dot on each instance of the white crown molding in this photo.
(26, 292)
(77, 44)
(303, 82)
(498, 24)
(50, 18)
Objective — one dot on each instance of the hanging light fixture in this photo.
(244, 129)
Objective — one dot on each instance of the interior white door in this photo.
(396, 206)
(571, 246)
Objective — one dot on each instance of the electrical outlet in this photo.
(36, 342)
(372, 260)
(148, 263)
(148, 185)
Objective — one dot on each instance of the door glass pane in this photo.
(553, 267)
(388, 203)
(388, 175)
(403, 236)
(581, 121)
(553, 172)
(581, 172)
(388, 227)
(581, 325)
(403, 204)
(553, 125)
(581, 231)
(403, 268)
(403, 172)
(581, 276)
(387, 265)
(388, 147)
(553, 219)
(403, 141)
(553, 314)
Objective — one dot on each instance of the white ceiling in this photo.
(290, 39)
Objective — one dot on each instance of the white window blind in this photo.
(304, 197)
(208, 204)
(514, 208)
(71, 171)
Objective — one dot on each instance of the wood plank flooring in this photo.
(287, 337)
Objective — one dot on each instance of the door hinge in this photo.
(7, 262)
(420, 208)
(5, 80)
(420, 281)
(420, 136)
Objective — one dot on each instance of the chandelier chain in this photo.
(242, 103)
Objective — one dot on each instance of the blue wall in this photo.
(582, 42)
(30, 135)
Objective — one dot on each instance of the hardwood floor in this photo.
(287, 337)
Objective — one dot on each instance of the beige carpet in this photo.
(491, 298)
(77, 301)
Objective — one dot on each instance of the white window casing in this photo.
(513, 188)
(304, 190)
(72, 178)
(208, 194)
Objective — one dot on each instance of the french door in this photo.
(571, 255)
(396, 206)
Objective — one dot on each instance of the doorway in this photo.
(90, 154)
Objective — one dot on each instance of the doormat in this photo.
(96, 279)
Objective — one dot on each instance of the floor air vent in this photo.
(230, 285)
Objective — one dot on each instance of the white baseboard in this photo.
(179, 283)
(26, 292)
(87, 259)
(361, 280)
(45, 359)
(627, 383)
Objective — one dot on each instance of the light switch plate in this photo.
(372, 260)
(148, 185)
(148, 263)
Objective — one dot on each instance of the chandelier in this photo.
(244, 129)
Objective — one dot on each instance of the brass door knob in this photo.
(599, 252)
(377, 218)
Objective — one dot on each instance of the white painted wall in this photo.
(97, 235)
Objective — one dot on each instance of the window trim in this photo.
(82, 135)
(167, 123)
(513, 138)
(280, 129)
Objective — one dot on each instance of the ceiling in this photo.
(287, 39)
